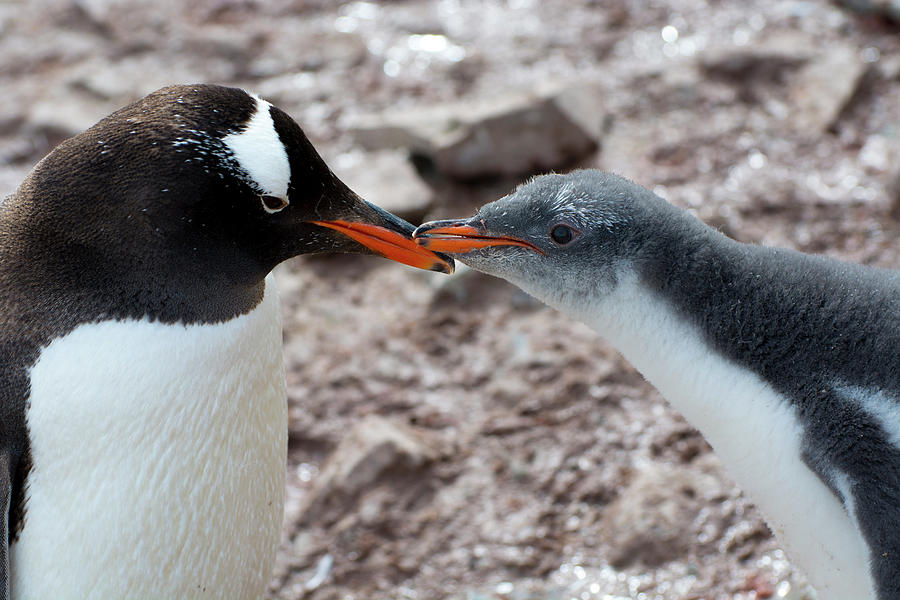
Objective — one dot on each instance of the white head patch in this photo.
(259, 152)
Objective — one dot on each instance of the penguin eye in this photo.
(562, 234)
(273, 204)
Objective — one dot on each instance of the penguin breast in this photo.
(158, 455)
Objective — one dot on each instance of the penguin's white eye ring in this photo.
(562, 234)
(273, 204)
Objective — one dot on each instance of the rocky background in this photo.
(450, 437)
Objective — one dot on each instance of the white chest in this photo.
(159, 461)
(752, 429)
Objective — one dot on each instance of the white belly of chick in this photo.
(752, 429)
(158, 461)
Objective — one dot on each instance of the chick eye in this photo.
(273, 204)
(562, 234)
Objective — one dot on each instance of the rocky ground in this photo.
(450, 437)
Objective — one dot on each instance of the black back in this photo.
(826, 335)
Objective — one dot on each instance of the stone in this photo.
(766, 59)
(114, 82)
(456, 287)
(62, 116)
(10, 178)
(889, 66)
(324, 48)
(512, 134)
(888, 9)
(893, 190)
(824, 87)
(387, 179)
(99, 11)
(363, 458)
(651, 521)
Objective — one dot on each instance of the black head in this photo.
(199, 188)
(555, 236)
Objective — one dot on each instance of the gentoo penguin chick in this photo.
(143, 422)
(789, 364)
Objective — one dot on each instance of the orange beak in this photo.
(456, 238)
(391, 244)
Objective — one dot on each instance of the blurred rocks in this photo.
(57, 116)
(386, 178)
(370, 451)
(508, 135)
(115, 82)
(98, 11)
(325, 48)
(652, 520)
(889, 66)
(888, 9)
(820, 83)
(894, 193)
(766, 59)
(824, 87)
(105, 82)
(10, 178)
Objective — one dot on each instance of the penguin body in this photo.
(759, 438)
(143, 420)
(789, 364)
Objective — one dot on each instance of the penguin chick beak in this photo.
(460, 237)
(389, 236)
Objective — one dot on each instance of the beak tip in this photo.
(424, 228)
(391, 244)
(447, 268)
(459, 237)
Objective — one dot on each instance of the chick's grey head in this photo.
(562, 238)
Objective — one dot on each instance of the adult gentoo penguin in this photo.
(789, 364)
(143, 419)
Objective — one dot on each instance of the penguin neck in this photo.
(127, 279)
(727, 402)
(673, 355)
(115, 259)
(670, 344)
